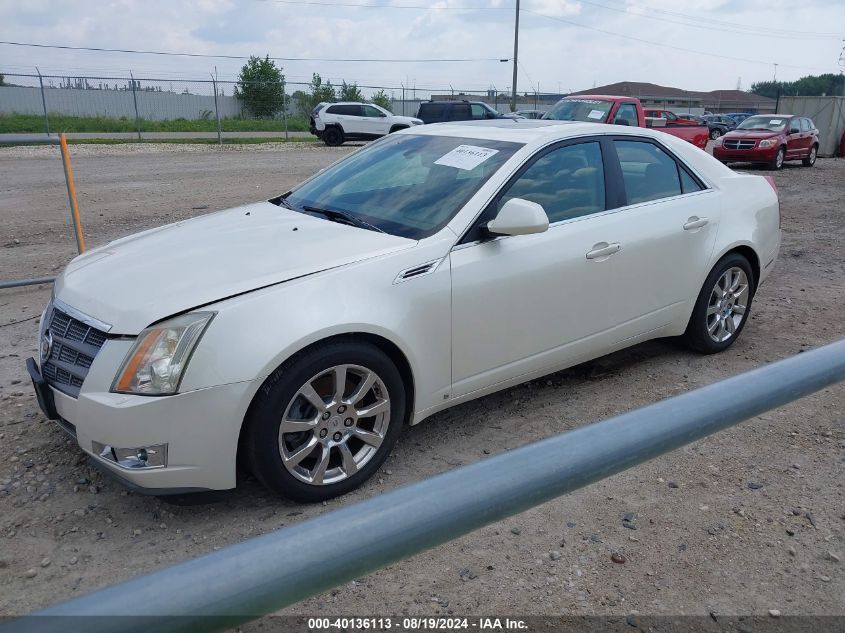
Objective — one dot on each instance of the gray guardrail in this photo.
(256, 577)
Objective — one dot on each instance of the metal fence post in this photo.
(43, 102)
(284, 111)
(217, 112)
(135, 100)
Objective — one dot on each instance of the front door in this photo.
(523, 303)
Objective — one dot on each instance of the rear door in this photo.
(349, 116)
(666, 231)
(460, 112)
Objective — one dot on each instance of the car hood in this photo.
(756, 135)
(143, 278)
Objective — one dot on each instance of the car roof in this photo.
(528, 131)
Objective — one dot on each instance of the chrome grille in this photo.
(75, 345)
(735, 143)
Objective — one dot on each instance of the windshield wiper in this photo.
(342, 216)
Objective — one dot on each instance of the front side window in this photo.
(627, 112)
(649, 173)
(567, 182)
(406, 185)
(478, 111)
(372, 112)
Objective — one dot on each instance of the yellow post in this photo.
(71, 195)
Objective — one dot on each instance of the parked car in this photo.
(298, 336)
(739, 117)
(336, 123)
(530, 114)
(444, 111)
(718, 125)
(671, 117)
(770, 139)
(621, 111)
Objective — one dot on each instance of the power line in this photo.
(284, 59)
(361, 5)
(737, 29)
(661, 44)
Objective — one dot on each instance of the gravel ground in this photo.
(748, 520)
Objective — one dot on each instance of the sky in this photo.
(564, 45)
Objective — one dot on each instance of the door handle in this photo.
(603, 249)
(695, 223)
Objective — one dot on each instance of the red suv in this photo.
(770, 139)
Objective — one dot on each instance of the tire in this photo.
(396, 128)
(716, 321)
(811, 157)
(281, 460)
(333, 136)
(777, 161)
(715, 133)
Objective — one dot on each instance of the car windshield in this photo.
(406, 185)
(591, 110)
(768, 123)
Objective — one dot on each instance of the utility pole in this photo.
(515, 56)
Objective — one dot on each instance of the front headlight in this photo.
(155, 364)
(718, 142)
(768, 143)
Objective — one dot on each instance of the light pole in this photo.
(515, 54)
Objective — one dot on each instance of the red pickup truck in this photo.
(622, 111)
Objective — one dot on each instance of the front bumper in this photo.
(194, 434)
(753, 155)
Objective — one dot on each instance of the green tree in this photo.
(317, 92)
(350, 92)
(2, 80)
(381, 99)
(261, 87)
(809, 86)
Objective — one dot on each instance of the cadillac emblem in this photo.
(46, 346)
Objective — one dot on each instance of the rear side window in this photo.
(567, 182)
(431, 112)
(347, 110)
(649, 173)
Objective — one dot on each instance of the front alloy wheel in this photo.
(325, 420)
(334, 424)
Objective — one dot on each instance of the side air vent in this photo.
(417, 271)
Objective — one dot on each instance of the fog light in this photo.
(145, 457)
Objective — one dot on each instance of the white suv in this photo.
(350, 121)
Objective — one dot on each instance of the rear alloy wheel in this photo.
(811, 157)
(333, 136)
(324, 423)
(715, 133)
(777, 162)
(722, 306)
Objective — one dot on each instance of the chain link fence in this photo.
(137, 105)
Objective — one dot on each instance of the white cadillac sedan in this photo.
(298, 336)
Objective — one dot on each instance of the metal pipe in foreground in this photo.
(264, 574)
(26, 282)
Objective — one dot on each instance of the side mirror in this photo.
(794, 130)
(519, 217)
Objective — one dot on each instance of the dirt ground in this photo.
(745, 521)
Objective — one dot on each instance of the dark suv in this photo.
(442, 111)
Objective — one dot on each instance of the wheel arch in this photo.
(389, 347)
(398, 126)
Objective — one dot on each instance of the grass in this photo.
(34, 123)
(180, 141)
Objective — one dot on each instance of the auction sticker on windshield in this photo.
(465, 157)
(595, 114)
